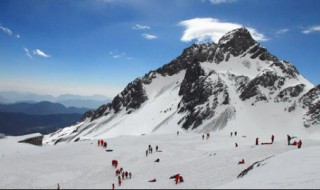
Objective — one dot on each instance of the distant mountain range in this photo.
(21, 124)
(67, 100)
(42, 117)
(41, 108)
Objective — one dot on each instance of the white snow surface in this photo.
(204, 164)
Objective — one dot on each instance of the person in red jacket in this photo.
(122, 175)
(241, 162)
(177, 177)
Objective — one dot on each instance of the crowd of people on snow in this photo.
(122, 175)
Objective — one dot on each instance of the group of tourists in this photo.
(120, 173)
(207, 136)
(102, 143)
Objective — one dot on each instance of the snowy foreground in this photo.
(211, 163)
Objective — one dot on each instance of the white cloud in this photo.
(27, 52)
(116, 55)
(40, 53)
(149, 36)
(204, 29)
(6, 30)
(312, 29)
(282, 31)
(216, 2)
(140, 27)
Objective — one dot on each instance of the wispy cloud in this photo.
(217, 2)
(27, 52)
(6, 30)
(149, 36)
(40, 53)
(204, 29)
(282, 31)
(9, 31)
(312, 29)
(116, 55)
(140, 27)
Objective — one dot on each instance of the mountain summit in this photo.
(233, 85)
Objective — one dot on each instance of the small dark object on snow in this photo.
(174, 176)
(109, 150)
(153, 180)
(157, 160)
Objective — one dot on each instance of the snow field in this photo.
(211, 163)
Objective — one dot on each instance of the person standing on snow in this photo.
(272, 139)
(257, 141)
(119, 180)
(289, 139)
(299, 144)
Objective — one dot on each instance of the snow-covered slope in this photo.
(233, 85)
(204, 164)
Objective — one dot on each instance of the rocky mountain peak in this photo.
(236, 37)
(239, 42)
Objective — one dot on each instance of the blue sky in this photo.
(91, 47)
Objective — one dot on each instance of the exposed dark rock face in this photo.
(287, 68)
(195, 90)
(33, 140)
(267, 80)
(236, 42)
(130, 98)
(239, 42)
(194, 54)
(311, 101)
(287, 94)
(100, 111)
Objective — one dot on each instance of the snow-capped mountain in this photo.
(233, 85)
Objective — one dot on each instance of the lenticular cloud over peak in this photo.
(211, 29)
